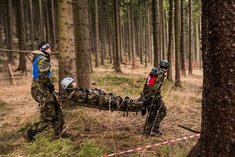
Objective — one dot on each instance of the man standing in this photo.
(42, 91)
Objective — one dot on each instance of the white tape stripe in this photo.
(153, 145)
(139, 149)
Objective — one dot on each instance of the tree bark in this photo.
(169, 56)
(177, 44)
(190, 39)
(22, 36)
(218, 102)
(117, 35)
(182, 55)
(10, 31)
(132, 34)
(155, 32)
(31, 24)
(82, 47)
(41, 26)
(53, 25)
(66, 47)
(147, 35)
(96, 34)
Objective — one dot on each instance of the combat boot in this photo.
(28, 136)
(155, 132)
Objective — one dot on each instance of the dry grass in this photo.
(109, 131)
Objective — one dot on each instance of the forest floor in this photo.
(95, 132)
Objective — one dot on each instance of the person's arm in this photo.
(158, 84)
(44, 67)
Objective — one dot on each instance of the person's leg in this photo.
(161, 111)
(58, 121)
(46, 116)
(150, 120)
(161, 115)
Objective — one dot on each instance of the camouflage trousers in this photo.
(50, 114)
(157, 113)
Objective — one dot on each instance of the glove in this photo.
(143, 111)
(51, 87)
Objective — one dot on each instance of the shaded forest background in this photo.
(118, 32)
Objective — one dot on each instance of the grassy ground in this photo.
(96, 133)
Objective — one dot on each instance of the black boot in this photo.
(155, 132)
(28, 136)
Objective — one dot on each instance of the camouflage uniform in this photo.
(41, 90)
(153, 101)
(97, 98)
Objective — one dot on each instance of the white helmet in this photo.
(66, 82)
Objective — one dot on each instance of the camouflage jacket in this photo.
(156, 88)
(40, 89)
(98, 98)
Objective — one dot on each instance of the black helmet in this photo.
(154, 72)
(43, 46)
(164, 64)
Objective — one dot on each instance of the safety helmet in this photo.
(43, 46)
(66, 82)
(164, 64)
(153, 72)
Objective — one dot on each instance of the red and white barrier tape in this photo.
(150, 146)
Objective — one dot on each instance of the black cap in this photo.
(43, 46)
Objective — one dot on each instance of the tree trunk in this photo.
(190, 38)
(102, 38)
(163, 31)
(82, 47)
(200, 30)
(169, 56)
(96, 34)
(177, 44)
(129, 32)
(47, 21)
(147, 35)
(41, 26)
(161, 28)
(10, 31)
(117, 35)
(182, 56)
(90, 26)
(53, 25)
(110, 40)
(132, 34)
(155, 32)
(218, 102)
(166, 33)
(31, 24)
(197, 44)
(66, 48)
(22, 36)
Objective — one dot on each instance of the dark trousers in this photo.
(50, 113)
(156, 113)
